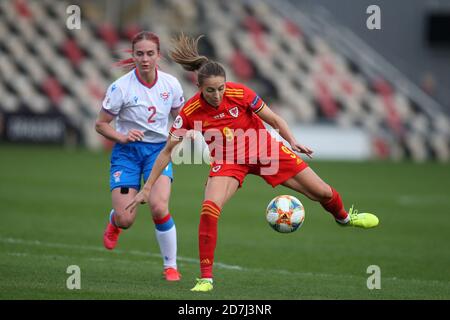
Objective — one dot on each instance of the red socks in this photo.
(335, 206)
(207, 237)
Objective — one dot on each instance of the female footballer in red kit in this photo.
(232, 114)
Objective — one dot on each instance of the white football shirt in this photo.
(144, 106)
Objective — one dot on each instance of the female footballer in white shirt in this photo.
(140, 103)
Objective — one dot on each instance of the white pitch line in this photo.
(414, 200)
(103, 250)
(195, 261)
(17, 254)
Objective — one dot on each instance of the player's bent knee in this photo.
(124, 222)
(327, 192)
(159, 210)
(323, 193)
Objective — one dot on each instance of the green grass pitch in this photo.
(54, 206)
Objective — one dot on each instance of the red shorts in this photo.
(274, 173)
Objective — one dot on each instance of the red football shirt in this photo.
(232, 130)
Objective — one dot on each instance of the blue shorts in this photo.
(132, 160)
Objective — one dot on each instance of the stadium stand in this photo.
(46, 68)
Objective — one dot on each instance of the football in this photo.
(285, 213)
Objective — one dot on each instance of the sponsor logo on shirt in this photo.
(219, 116)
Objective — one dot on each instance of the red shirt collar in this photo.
(143, 82)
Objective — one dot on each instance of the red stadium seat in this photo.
(22, 8)
(130, 31)
(53, 90)
(241, 66)
(328, 65)
(95, 90)
(253, 25)
(393, 118)
(347, 86)
(293, 29)
(109, 34)
(257, 31)
(72, 51)
(381, 148)
(327, 103)
(191, 77)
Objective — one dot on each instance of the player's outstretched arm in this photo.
(161, 162)
(278, 123)
(103, 126)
